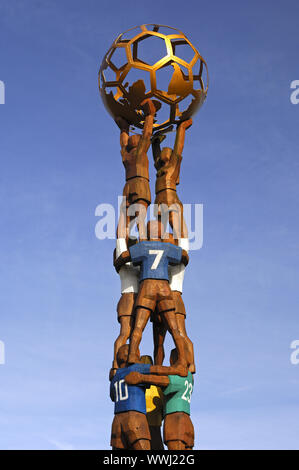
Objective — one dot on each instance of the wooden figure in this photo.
(129, 276)
(134, 157)
(176, 278)
(167, 163)
(178, 429)
(130, 428)
(154, 257)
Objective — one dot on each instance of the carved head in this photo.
(165, 155)
(173, 357)
(146, 360)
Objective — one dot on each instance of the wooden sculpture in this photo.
(178, 428)
(151, 268)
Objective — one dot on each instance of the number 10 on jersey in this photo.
(121, 390)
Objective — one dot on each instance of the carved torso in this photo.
(168, 175)
(135, 163)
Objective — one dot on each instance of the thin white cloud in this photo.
(61, 445)
(236, 390)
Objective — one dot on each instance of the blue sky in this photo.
(60, 159)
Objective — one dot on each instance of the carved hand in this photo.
(124, 258)
(185, 257)
(122, 123)
(186, 124)
(150, 107)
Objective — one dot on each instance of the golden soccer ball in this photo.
(158, 62)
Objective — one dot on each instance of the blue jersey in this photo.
(154, 258)
(128, 397)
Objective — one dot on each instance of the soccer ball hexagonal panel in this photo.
(183, 50)
(149, 49)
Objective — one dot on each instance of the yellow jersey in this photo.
(154, 405)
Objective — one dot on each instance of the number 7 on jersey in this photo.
(159, 254)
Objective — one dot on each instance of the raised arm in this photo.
(157, 139)
(135, 378)
(180, 136)
(149, 109)
(124, 131)
(175, 162)
(156, 148)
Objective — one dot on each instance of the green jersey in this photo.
(178, 394)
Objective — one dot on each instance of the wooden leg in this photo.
(156, 438)
(177, 223)
(142, 444)
(137, 213)
(182, 330)
(142, 317)
(170, 319)
(159, 332)
(122, 227)
(126, 325)
(176, 445)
